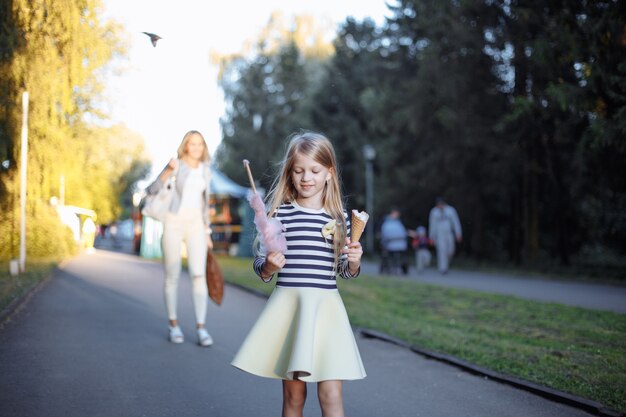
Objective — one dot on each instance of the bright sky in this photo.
(168, 90)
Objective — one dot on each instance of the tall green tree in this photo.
(511, 110)
(348, 100)
(566, 67)
(600, 192)
(58, 51)
(423, 92)
(267, 98)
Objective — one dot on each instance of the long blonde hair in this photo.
(319, 148)
(183, 144)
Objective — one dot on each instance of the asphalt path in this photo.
(92, 342)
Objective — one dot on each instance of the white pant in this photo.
(444, 245)
(185, 226)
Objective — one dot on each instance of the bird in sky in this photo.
(153, 38)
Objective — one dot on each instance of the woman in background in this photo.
(187, 221)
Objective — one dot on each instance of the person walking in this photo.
(393, 239)
(421, 244)
(303, 334)
(444, 228)
(88, 234)
(187, 221)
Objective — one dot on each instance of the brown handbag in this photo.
(214, 278)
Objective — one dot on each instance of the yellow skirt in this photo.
(304, 331)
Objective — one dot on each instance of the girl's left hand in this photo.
(209, 242)
(354, 251)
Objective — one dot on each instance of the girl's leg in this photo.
(330, 394)
(294, 396)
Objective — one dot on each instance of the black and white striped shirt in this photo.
(310, 257)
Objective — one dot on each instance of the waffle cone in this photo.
(357, 226)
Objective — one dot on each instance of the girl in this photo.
(303, 334)
(188, 221)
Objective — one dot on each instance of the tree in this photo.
(348, 101)
(427, 100)
(565, 70)
(267, 98)
(58, 52)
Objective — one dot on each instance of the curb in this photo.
(248, 290)
(549, 393)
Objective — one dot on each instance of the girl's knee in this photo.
(294, 394)
(330, 394)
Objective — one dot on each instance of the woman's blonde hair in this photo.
(319, 148)
(183, 144)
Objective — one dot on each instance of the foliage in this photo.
(58, 52)
(267, 97)
(349, 99)
(560, 52)
(45, 235)
(510, 110)
(113, 160)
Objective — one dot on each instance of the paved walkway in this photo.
(92, 342)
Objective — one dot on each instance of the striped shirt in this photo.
(310, 258)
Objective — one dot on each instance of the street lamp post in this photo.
(23, 171)
(369, 153)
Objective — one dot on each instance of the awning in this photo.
(221, 185)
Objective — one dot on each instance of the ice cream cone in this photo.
(359, 220)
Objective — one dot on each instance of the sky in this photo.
(164, 91)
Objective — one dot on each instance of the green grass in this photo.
(15, 287)
(566, 348)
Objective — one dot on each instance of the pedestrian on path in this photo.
(303, 334)
(444, 229)
(421, 244)
(88, 234)
(187, 221)
(394, 243)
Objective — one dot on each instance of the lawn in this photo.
(571, 349)
(15, 287)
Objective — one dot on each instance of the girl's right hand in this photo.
(172, 164)
(274, 262)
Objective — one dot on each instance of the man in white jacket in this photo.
(444, 229)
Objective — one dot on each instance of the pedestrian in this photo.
(303, 334)
(394, 243)
(187, 221)
(88, 234)
(444, 229)
(421, 244)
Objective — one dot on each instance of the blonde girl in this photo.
(303, 334)
(187, 221)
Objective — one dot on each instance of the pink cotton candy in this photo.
(270, 229)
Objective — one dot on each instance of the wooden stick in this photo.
(246, 164)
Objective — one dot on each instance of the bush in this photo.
(46, 236)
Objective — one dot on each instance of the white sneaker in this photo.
(176, 335)
(204, 338)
